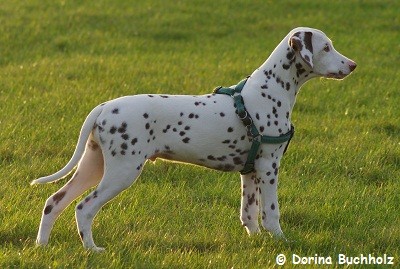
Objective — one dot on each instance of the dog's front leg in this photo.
(250, 203)
(267, 175)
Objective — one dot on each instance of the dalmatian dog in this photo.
(119, 136)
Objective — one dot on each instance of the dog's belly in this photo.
(202, 130)
(223, 161)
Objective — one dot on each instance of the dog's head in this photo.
(317, 52)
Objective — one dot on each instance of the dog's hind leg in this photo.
(118, 176)
(87, 175)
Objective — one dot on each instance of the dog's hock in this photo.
(301, 42)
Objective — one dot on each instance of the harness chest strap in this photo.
(252, 130)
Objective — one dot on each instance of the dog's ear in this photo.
(301, 42)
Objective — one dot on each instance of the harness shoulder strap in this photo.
(278, 139)
(229, 91)
(265, 139)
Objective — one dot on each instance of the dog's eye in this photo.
(327, 48)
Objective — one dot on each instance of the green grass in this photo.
(339, 183)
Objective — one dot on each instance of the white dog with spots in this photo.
(119, 136)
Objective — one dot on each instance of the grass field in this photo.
(339, 182)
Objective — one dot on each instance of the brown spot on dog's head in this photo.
(308, 41)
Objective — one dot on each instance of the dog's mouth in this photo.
(339, 75)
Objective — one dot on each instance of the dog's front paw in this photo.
(252, 229)
(279, 236)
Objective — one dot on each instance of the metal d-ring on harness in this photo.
(252, 130)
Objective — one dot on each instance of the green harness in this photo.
(252, 130)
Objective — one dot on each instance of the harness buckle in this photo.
(245, 115)
(255, 137)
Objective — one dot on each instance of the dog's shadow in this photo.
(18, 236)
(184, 247)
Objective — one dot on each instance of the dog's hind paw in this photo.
(40, 243)
(34, 182)
(97, 249)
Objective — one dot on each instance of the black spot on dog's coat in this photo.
(113, 129)
(48, 209)
(58, 197)
(122, 129)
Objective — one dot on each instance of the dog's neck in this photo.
(280, 76)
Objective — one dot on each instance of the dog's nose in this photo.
(352, 66)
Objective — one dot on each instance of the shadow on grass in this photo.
(183, 246)
(388, 129)
(19, 236)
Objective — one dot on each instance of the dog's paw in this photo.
(34, 182)
(252, 229)
(283, 239)
(97, 249)
(280, 237)
(40, 243)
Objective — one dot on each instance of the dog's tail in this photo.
(87, 128)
